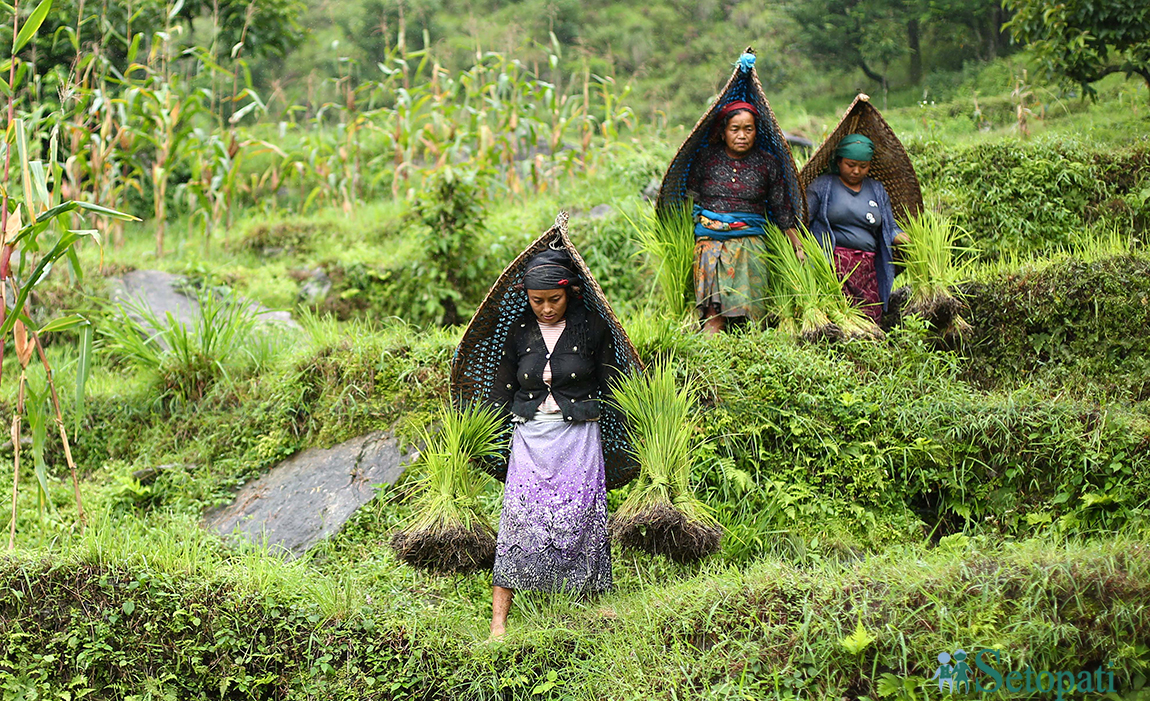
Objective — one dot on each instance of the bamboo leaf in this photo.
(31, 25)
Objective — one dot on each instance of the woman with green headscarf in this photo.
(851, 216)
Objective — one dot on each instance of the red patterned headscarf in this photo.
(737, 105)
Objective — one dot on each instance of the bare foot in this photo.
(714, 325)
(497, 631)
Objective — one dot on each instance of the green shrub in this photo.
(1017, 197)
(1084, 325)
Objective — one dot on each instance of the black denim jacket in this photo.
(581, 367)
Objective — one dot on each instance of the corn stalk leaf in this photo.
(36, 409)
(83, 368)
(63, 323)
(45, 218)
(25, 170)
(31, 25)
(62, 245)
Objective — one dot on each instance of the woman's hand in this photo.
(901, 239)
(796, 244)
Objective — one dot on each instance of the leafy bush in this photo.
(878, 442)
(1013, 197)
(1081, 324)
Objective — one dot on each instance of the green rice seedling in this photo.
(448, 533)
(848, 319)
(668, 239)
(661, 514)
(933, 267)
(806, 296)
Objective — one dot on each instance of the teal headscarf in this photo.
(855, 147)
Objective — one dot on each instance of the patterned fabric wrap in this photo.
(476, 360)
(856, 269)
(723, 227)
(553, 528)
(730, 275)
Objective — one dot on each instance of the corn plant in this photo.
(41, 183)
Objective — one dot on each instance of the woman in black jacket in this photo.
(553, 378)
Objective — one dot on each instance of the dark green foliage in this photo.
(78, 628)
(273, 29)
(1082, 325)
(1013, 197)
(1082, 41)
(450, 207)
(741, 631)
(108, 630)
(609, 249)
(883, 441)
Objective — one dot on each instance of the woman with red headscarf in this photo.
(737, 188)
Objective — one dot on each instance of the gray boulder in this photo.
(164, 293)
(309, 496)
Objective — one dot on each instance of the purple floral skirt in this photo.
(553, 528)
(860, 284)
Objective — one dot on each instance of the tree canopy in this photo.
(1083, 41)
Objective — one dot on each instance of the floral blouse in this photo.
(749, 184)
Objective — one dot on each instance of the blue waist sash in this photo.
(745, 224)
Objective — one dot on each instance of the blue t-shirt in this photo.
(854, 216)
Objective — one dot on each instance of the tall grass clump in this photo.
(448, 533)
(668, 238)
(661, 514)
(186, 359)
(932, 269)
(806, 297)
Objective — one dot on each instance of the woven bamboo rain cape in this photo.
(743, 85)
(477, 358)
(891, 166)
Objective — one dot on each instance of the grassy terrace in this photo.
(883, 502)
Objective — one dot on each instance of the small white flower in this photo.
(870, 218)
(873, 203)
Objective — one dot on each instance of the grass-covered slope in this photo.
(1069, 322)
(883, 501)
(105, 623)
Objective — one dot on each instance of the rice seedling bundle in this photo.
(806, 296)
(661, 515)
(448, 532)
(932, 269)
(667, 236)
